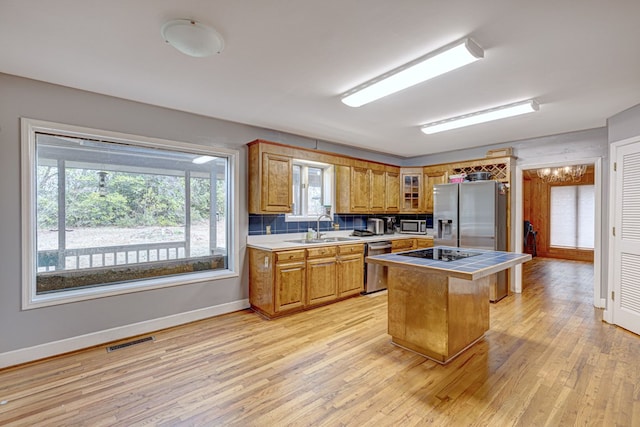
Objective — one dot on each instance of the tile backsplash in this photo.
(258, 223)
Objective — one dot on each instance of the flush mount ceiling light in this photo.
(496, 113)
(440, 61)
(192, 38)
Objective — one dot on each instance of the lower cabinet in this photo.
(422, 242)
(284, 282)
(322, 281)
(350, 275)
(290, 286)
(402, 245)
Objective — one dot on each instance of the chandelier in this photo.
(562, 174)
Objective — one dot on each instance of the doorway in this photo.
(528, 208)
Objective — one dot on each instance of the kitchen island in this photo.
(439, 297)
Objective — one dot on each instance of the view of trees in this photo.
(130, 199)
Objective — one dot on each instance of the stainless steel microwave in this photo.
(413, 226)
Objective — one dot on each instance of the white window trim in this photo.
(328, 190)
(30, 299)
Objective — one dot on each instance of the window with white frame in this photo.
(572, 216)
(312, 190)
(111, 213)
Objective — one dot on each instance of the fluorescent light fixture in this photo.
(496, 113)
(202, 159)
(192, 38)
(443, 60)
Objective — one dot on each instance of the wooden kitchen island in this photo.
(440, 307)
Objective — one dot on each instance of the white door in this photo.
(626, 242)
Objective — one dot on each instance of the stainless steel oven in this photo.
(375, 275)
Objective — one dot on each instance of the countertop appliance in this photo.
(473, 215)
(375, 225)
(375, 275)
(413, 226)
(389, 224)
(360, 232)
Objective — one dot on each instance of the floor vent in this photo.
(129, 344)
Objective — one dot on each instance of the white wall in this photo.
(23, 334)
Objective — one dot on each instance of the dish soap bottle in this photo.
(310, 233)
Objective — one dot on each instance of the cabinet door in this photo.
(321, 280)
(360, 189)
(377, 192)
(431, 178)
(392, 192)
(290, 286)
(411, 199)
(350, 275)
(276, 183)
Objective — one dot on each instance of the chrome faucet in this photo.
(318, 235)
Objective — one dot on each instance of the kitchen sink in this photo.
(323, 240)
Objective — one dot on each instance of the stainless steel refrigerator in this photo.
(473, 215)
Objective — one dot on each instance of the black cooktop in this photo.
(441, 254)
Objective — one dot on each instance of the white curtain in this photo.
(572, 216)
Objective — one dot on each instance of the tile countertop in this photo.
(278, 242)
(471, 268)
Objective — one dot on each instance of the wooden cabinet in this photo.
(423, 242)
(411, 190)
(392, 191)
(290, 286)
(360, 189)
(377, 191)
(283, 282)
(433, 176)
(322, 285)
(402, 245)
(270, 185)
(350, 270)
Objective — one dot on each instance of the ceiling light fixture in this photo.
(192, 38)
(445, 59)
(496, 113)
(562, 174)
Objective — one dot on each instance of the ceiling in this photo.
(286, 63)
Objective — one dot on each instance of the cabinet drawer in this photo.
(325, 251)
(284, 256)
(424, 243)
(351, 249)
(403, 245)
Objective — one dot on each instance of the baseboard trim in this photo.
(41, 351)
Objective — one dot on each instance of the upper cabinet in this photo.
(362, 189)
(361, 186)
(411, 191)
(433, 175)
(269, 181)
(392, 189)
(360, 183)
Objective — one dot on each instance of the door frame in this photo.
(609, 313)
(598, 300)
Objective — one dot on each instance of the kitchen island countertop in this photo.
(471, 268)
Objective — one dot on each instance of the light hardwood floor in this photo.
(548, 359)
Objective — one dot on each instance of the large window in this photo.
(312, 190)
(111, 213)
(572, 216)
